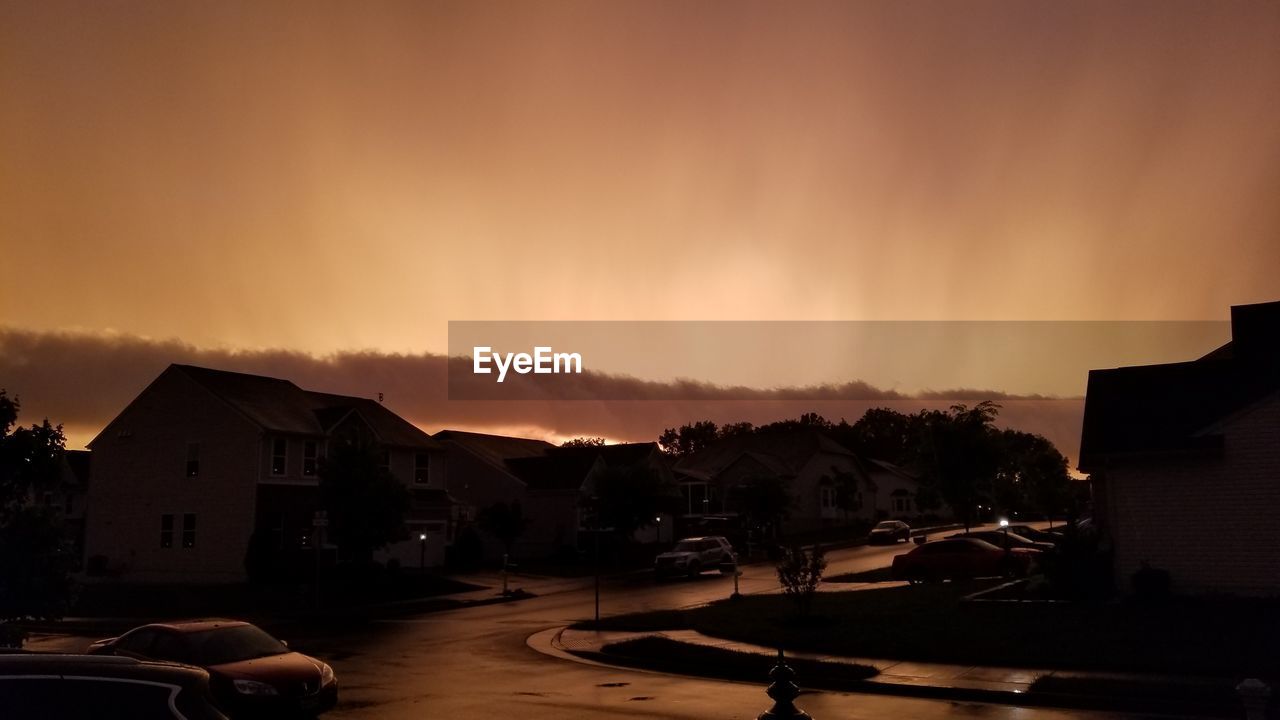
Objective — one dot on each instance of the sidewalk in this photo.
(1004, 685)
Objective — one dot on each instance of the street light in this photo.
(422, 553)
(1004, 526)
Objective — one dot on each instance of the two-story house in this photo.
(204, 460)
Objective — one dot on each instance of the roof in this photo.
(784, 451)
(563, 471)
(890, 467)
(278, 405)
(194, 626)
(493, 449)
(1157, 409)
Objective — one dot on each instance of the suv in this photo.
(41, 686)
(693, 555)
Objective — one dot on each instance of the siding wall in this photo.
(142, 475)
(1213, 523)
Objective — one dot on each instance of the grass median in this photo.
(1211, 637)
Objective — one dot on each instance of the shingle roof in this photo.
(278, 405)
(1169, 408)
(565, 471)
(787, 450)
(493, 449)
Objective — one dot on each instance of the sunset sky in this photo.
(325, 177)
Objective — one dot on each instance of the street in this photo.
(475, 663)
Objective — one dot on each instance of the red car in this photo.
(251, 674)
(961, 558)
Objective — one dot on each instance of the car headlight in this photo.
(326, 674)
(253, 687)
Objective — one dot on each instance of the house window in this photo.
(166, 531)
(422, 468)
(310, 452)
(902, 504)
(828, 497)
(189, 530)
(697, 498)
(384, 459)
(193, 459)
(279, 456)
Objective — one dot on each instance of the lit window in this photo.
(189, 530)
(279, 456)
(310, 451)
(166, 531)
(193, 459)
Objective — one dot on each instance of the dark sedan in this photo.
(961, 559)
(251, 673)
(888, 532)
(40, 686)
(1005, 539)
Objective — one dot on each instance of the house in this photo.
(479, 476)
(1185, 462)
(892, 490)
(204, 460)
(828, 484)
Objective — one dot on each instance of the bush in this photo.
(800, 572)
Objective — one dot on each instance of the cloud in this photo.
(82, 380)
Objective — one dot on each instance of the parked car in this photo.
(888, 532)
(48, 686)
(693, 555)
(960, 559)
(250, 672)
(1003, 539)
(1035, 535)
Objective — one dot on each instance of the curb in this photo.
(549, 643)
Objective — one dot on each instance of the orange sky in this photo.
(332, 176)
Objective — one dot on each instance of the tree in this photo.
(763, 502)
(959, 453)
(799, 572)
(627, 498)
(35, 556)
(1032, 474)
(504, 521)
(688, 439)
(583, 442)
(365, 502)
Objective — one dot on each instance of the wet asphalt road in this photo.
(475, 663)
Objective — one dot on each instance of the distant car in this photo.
(250, 673)
(50, 686)
(1035, 535)
(888, 532)
(1010, 539)
(961, 559)
(693, 555)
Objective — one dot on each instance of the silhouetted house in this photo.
(479, 476)
(828, 484)
(1185, 462)
(73, 497)
(202, 460)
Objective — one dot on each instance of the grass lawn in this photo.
(672, 656)
(1212, 637)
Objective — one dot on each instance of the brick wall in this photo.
(1213, 523)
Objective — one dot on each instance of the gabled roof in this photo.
(564, 471)
(617, 455)
(787, 451)
(277, 405)
(1153, 409)
(493, 449)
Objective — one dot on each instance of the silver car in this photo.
(693, 555)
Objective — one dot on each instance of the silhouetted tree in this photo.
(1032, 475)
(688, 439)
(583, 442)
(958, 452)
(365, 502)
(504, 521)
(629, 497)
(36, 558)
(763, 502)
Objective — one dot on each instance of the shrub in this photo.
(800, 572)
